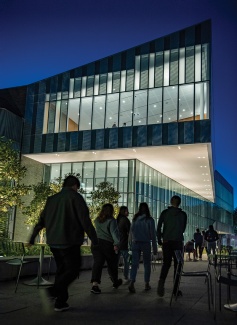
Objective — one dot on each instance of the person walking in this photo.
(211, 236)
(142, 233)
(107, 250)
(171, 227)
(198, 238)
(124, 228)
(66, 218)
(189, 248)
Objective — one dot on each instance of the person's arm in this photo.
(159, 226)
(114, 231)
(38, 227)
(84, 218)
(153, 236)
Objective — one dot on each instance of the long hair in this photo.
(122, 211)
(143, 209)
(106, 212)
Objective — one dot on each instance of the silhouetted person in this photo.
(66, 218)
(189, 248)
(124, 228)
(198, 238)
(211, 236)
(170, 230)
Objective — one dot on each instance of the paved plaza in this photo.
(116, 306)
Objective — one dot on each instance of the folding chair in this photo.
(225, 273)
(180, 272)
(16, 249)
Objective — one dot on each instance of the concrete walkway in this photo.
(116, 306)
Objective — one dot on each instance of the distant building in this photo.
(161, 92)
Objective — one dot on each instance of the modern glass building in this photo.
(140, 119)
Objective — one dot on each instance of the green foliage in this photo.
(105, 193)
(11, 174)
(41, 192)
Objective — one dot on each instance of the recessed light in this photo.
(183, 110)
(154, 105)
(123, 101)
(101, 107)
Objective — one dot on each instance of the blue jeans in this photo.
(137, 248)
(125, 256)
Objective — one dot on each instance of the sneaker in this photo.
(117, 284)
(161, 288)
(147, 286)
(61, 306)
(131, 287)
(95, 289)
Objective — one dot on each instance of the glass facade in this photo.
(136, 183)
(154, 94)
(165, 86)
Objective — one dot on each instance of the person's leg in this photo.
(177, 246)
(112, 261)
(125, 255)
(167, 259)
(146, 249)
(99, 260)
(68, 263)
(136, 253)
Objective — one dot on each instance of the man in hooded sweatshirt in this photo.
(170, 229)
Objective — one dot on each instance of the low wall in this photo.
(9, 272)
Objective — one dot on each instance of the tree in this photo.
(105, 193)
(11, 174)
(42, 191)
(235, 220)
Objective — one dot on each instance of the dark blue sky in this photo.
(41, 38)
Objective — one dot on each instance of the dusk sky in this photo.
(41, 38)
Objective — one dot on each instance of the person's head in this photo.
(197, 230)
(175, 201)
(211, 227)
(144, 209)
(123, 211)
(203, 232)
(106, 212)
(71, 181)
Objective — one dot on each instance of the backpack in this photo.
(211, 236)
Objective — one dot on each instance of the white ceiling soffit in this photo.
(189, 165)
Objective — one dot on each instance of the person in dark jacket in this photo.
(170, 230)
(198, 238)
(211, 236)
(124, 228)
(66, 218)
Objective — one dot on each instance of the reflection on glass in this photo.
(73, 114)
(85, 114)
(186, 101)
(155, 106)
(140, 107)
(98, 112)
(63, 116)
(170, 104)
(112, 110)
(126, 109)
(51, 117)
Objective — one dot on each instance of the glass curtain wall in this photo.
(136, 183)
(160, 87)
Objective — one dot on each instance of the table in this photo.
(39, 280)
